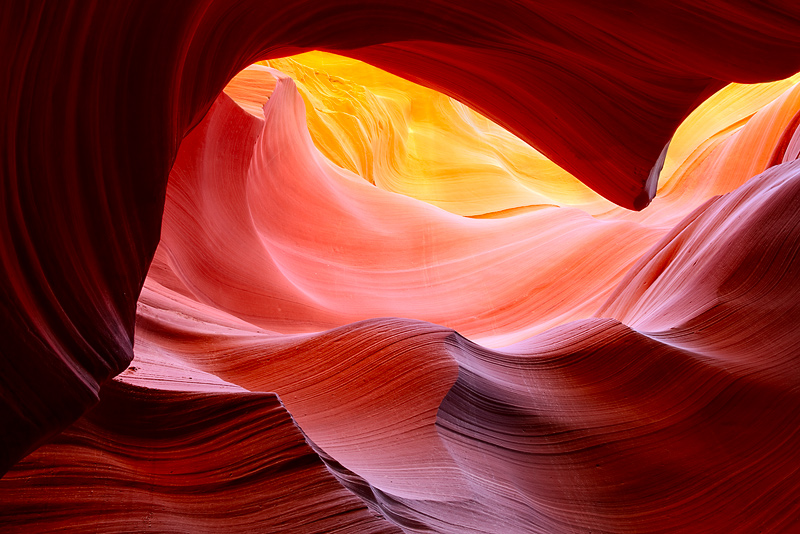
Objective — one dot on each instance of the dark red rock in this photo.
(98, 97)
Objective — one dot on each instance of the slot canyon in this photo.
(400, 267)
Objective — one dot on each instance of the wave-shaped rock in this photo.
(98, 100)
(590, 425)
(415, 141)
(242, 230)
(674, 410)
(683, 426)
(146, 460)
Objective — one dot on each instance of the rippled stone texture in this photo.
(317, 247)
(674, 408)
(158, 460)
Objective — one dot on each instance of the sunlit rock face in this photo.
(355, 304)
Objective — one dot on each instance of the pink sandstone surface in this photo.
(306, 352)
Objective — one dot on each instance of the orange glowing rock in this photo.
(356, 304)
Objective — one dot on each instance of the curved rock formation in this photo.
(590, 425)
(415, 141)
(651, 386)
(376, 253)
(148, 460)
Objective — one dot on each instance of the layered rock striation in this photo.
(308, 350)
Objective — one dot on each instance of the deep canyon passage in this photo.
(455, 267)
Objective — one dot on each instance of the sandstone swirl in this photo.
(308, 350)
